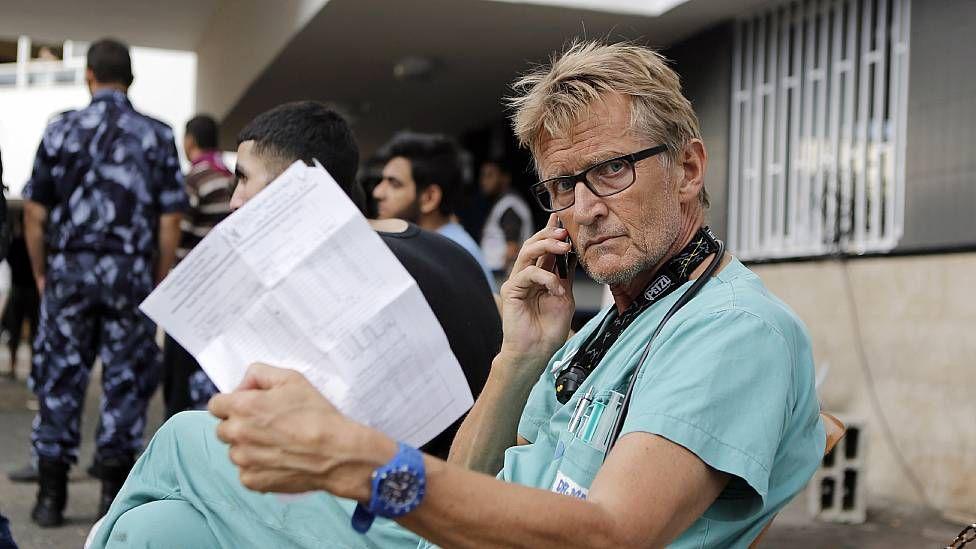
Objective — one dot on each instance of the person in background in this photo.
(102, 222)
(22, 305)
(421, 183)
(209, 185)
(24, 301)
(6, 540)
(509, 221)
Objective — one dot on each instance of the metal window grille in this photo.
(27, 72)
(817, 145)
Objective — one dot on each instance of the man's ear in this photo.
(430, 199)
(692, 162)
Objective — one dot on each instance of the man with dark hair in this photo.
(449, 279)
(108, 62)
(302, 130)
(101, 220)
(209, 185)
(509, 222)
(421, 182)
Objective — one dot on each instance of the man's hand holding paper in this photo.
(281, 431)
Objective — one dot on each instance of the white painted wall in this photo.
(164, 88)
(916, 321)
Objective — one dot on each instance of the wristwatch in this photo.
(397, 488)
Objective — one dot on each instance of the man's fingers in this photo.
(253, 456)
(531, 278)
(220, 405)
(231, 431)
(256, 456)
(544, 252)
(283, 481)
(264, 376)
(530, 253)
(240, 402)
(237, 430)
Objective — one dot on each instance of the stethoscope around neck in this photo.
(687, 296)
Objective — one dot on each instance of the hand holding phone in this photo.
(562, 261)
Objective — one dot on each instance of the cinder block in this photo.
(836, 492)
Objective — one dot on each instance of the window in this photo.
(817, 145)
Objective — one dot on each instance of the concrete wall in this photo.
(704, 62)
(244, 37)
(940, 167)
(916, 320)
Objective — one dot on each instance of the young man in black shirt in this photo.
(450, 279)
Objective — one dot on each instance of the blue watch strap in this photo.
(408, 460)
(362, 519)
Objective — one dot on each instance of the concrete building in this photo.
(33, 90)
(840, 136)
(855, 211)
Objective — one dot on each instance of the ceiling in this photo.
(171, 24)
(346, 54)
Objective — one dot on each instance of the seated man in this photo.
(722, 427)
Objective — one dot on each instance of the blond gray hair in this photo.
(549, 100)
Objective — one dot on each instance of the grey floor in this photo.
(17, 407)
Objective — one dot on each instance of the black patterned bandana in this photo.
(671, 276)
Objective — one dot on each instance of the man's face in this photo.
(253, 174)
(492, 179)
(396, 193)
(618, 236)
(188, 145)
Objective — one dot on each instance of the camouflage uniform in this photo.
(105, 173)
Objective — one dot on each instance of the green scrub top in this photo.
(730, 378)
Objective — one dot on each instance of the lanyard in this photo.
(670, 277)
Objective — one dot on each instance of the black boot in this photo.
(95, 469)
(52, 493)
(113, 474)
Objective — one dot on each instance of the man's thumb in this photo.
(263, 376)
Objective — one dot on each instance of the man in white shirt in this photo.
(509, 222)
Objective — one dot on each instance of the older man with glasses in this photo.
(604, 179)
(684, 415)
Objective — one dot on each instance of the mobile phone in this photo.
(562, 261)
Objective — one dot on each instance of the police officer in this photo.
(102, 223)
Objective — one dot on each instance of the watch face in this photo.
(399, 488)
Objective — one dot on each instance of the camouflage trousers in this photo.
(90, 309)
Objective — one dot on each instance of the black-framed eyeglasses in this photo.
(603, 179)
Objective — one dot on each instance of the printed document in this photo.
(298, 279)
